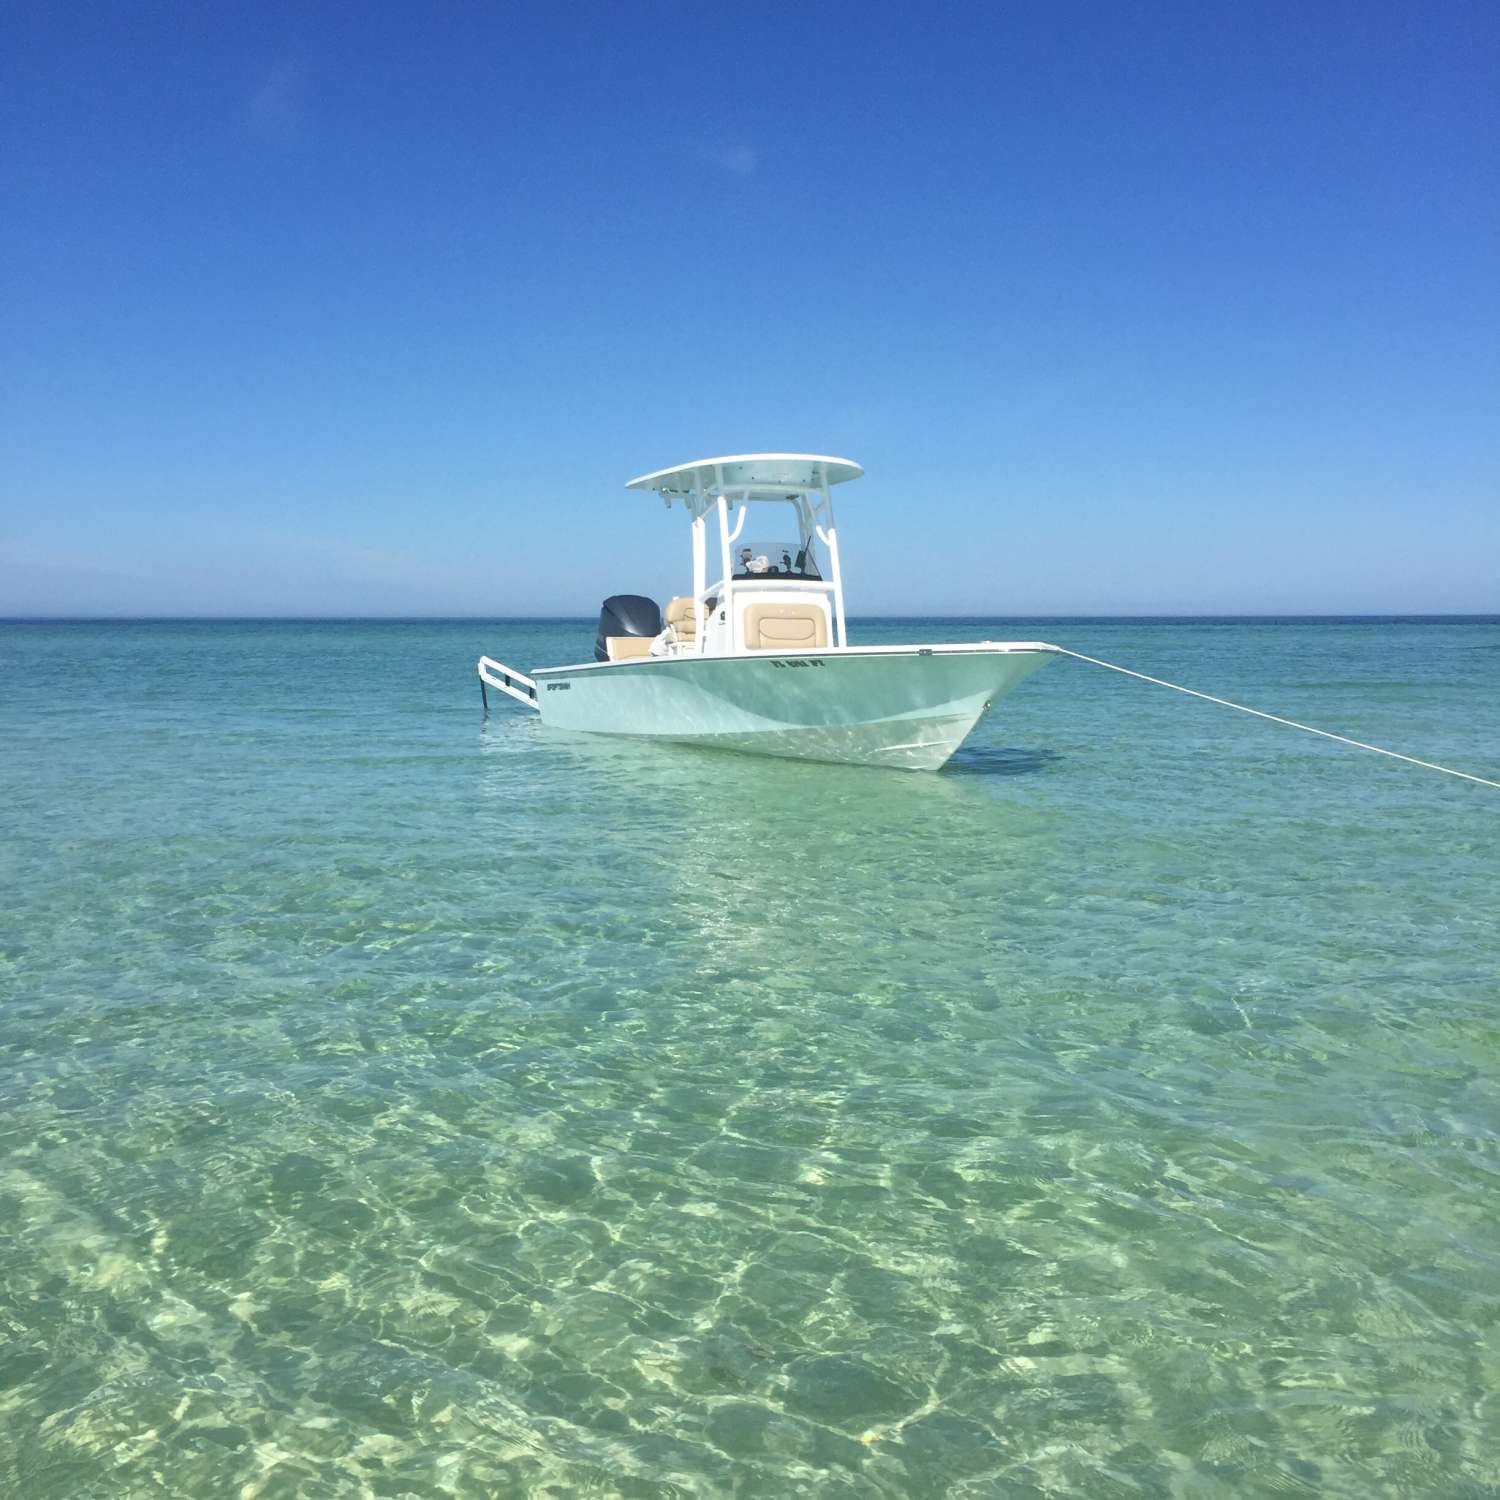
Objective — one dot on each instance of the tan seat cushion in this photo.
(680, 617)
(785, 627)
(627, 647)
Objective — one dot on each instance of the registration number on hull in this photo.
(804, 663)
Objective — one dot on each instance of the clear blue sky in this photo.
(373, 309)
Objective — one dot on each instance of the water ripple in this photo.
(395, 1105)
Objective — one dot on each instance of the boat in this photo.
(756, 658)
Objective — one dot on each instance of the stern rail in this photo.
(520, 687)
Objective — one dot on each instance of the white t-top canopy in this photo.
(797, 471)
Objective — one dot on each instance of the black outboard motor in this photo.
(626, 614)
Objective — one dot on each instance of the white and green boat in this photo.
(757, 657)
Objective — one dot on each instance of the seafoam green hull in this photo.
(904, 706)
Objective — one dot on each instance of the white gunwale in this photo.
(957, 648)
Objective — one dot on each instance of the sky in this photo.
(1126, 308)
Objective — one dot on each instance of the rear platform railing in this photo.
(497, 675)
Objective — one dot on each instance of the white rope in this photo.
(1276, 719)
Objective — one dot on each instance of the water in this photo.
(393, 1104)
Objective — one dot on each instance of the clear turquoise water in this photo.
(395, 1104)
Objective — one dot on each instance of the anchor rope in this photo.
(1343, 739)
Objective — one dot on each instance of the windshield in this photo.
(774, 560)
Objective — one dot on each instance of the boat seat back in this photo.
(785, 627)
(682, 620)
(627, 647)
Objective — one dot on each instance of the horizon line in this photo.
(229, 619)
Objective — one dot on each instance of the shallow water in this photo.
(398, 1104)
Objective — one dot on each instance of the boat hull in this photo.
(908, 707)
